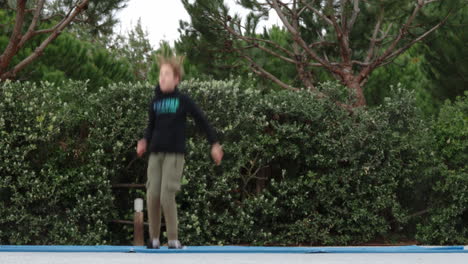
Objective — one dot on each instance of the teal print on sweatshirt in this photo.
(166, 106)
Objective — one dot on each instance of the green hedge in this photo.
(447, 221)
(297, 169)
(62, 146)
(331, 177)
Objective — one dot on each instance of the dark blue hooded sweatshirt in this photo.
(167, 120)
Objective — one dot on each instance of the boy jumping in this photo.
(165, 139)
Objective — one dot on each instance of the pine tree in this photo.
(135, 46)
(347, 39)
(446, 53)
(71, 58)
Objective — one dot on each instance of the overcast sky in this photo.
(160, 18)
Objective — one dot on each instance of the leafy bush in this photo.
(447, 221)
(297, 168)
(60, 152)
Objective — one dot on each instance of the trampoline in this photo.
(233, 254)
(238, 249)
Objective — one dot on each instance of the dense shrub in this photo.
(297, 169)
(62, 146)
(325, 176)
(51, 189)
(447, 221)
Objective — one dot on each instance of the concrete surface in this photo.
(326, 258)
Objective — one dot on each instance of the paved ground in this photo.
(124, 258)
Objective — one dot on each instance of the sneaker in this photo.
(153, 244)
(174, 244)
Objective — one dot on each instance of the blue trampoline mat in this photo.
(238, 249)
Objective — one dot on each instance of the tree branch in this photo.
(30, 33)
(262, 72)
(354, 16)
(252, 40)
(318, 13)
(30, 10)
(430, 1)
(15, 38)
(249, 38)
(344, 19)
(53, 16)
(45, 31)
(304, 8)
(39, 50)
(384, 34)
(272, 43)
(285, 6)
(320, 43)
(304, 74)
(401, 33)
(370, 52)
(298, 39)
(382, 58)
(411, 43)
(360, 63)
(342, 39)
(391, 53)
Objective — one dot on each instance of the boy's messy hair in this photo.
(175, 62)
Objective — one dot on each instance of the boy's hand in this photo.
(141, 147)
(217, 153)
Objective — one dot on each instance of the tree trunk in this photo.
(356, 87)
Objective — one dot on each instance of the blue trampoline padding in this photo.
(64, 248)
(238, 249)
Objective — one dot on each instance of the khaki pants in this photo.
(164, 177)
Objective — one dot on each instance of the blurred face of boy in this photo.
(167, 79)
